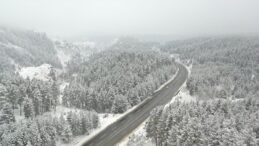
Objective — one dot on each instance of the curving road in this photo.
(126, 124)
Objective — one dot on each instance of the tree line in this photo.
(32, 97)
(46, 130)
(36, 101)
(213, 122)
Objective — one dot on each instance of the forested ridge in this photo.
(115, 80)
(223, 67)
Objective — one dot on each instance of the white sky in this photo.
(125, 17)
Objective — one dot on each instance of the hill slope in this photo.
(25, 48)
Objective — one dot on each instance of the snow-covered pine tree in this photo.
(66, 133)
(95, 119)
(28, 108)
(12, 95)
(85, 122)
(151, 127)
(6, 114)
(37, 101)
(54, 88)
(55, 94)
(120, 104)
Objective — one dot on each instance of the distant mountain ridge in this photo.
(25, 48)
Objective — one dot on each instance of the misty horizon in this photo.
(174, 19)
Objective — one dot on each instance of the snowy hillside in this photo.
(39, 72)
(67, 50)
(25, 48)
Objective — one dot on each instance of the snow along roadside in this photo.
(182, 94)
(141, 127)
(137, 131)
(96, 132)
(104, 122)
(167, 82)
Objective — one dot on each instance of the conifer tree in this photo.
(6, 114)
(28, 108)
(120, 104)
(66, 134)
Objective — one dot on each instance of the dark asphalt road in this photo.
(125, 125)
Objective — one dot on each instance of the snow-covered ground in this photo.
(138, 133)
(61, 110)
(189, 68)
(183, 96)
(38, 72)
(105, 120)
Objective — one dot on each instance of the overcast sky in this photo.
(126, 17)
